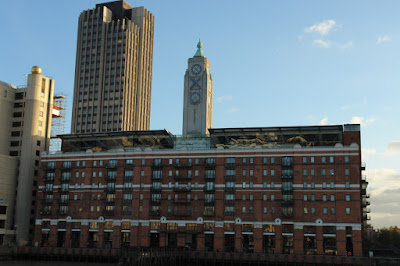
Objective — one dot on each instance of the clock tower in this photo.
(197, 95)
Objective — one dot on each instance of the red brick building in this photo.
(290, 190)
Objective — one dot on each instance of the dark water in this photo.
(48, 263)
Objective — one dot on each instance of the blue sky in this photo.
(274, 63)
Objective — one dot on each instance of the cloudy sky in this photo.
(274, 63)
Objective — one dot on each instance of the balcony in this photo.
(366, 210)
(230, 177)
(366, 217)
(210, 164)
(64, 191)
(363, 166)
(365, 203)
(156, 165)
(209, 177)
(45, 213)
(156, 202)
(182, 165)
(111, 166)
(209, 189)
(229, 213)
(155, 189)
(209, 202)
(208, 213)
(287, 203)
(48, 190)
(182, 189)
(364, 191)
(127, 189)
(128, 179)
(109, 202)
(230, 189)
(155, 177)
(63, 202)
(287, 215)
(49, 168)
(128, 166)
(182, 178)
(287, 189)
(109, 189)
(108, 213)
(287, 176)
(182, 201)
(155, 213)
(230, 202)
(182, 213)
(66, 168)
(126, 212)
(48, 179)
(47, 201)
(230, 165)
(126, 201)
(110, 178)
(64, 180)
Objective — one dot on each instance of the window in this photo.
(265, 197)
(348, 211)
(251, 172)
(325, 210)
(323, 159)
(251, 197)
(243, 196)
(312, 172)
(272, 172)
(272, 197)
(347, 171)
(265, 160)
(143, 161)
(169, 161)
(272, 210)
(312, 185)
(243, 171)
(251, 185)
(251, 160)
(272, 184)
(312, 210)
(323, 184)
(243, 209)
(304, 184)
(332, 185)
(347, 197)
(312, 197)
(305, 197)
(305, 210)
(244, 185)
(331, 159)
(332, 171)
(333, 210)
(265, 172)
(196, 161)
(312, 159)
(304, 172)
(272, 160)
(265, 185)
(332, 197)
(129, 162)
(244, 160)
(41, 113)
(324, 171)
(265, 209)
(323, 197)
(347, 184)
(346, 159)
(142, 173)
(304, 159)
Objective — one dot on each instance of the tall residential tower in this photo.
(112, 89)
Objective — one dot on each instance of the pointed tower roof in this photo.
(199, 52)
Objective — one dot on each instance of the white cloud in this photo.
(224, 98)
(393, 147)
(366, 151)
(346, 45)
(322, 28)
(324, 121)
(233, 110)
(383, 39)
(321, 43)
(362, 121)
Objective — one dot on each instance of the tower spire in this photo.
(199, 52)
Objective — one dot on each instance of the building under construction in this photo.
(58, 122)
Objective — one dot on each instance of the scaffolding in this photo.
(57, 122)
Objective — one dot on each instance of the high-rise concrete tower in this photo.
(112, 89)
(198, 95)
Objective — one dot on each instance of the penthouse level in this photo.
(290, 190)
